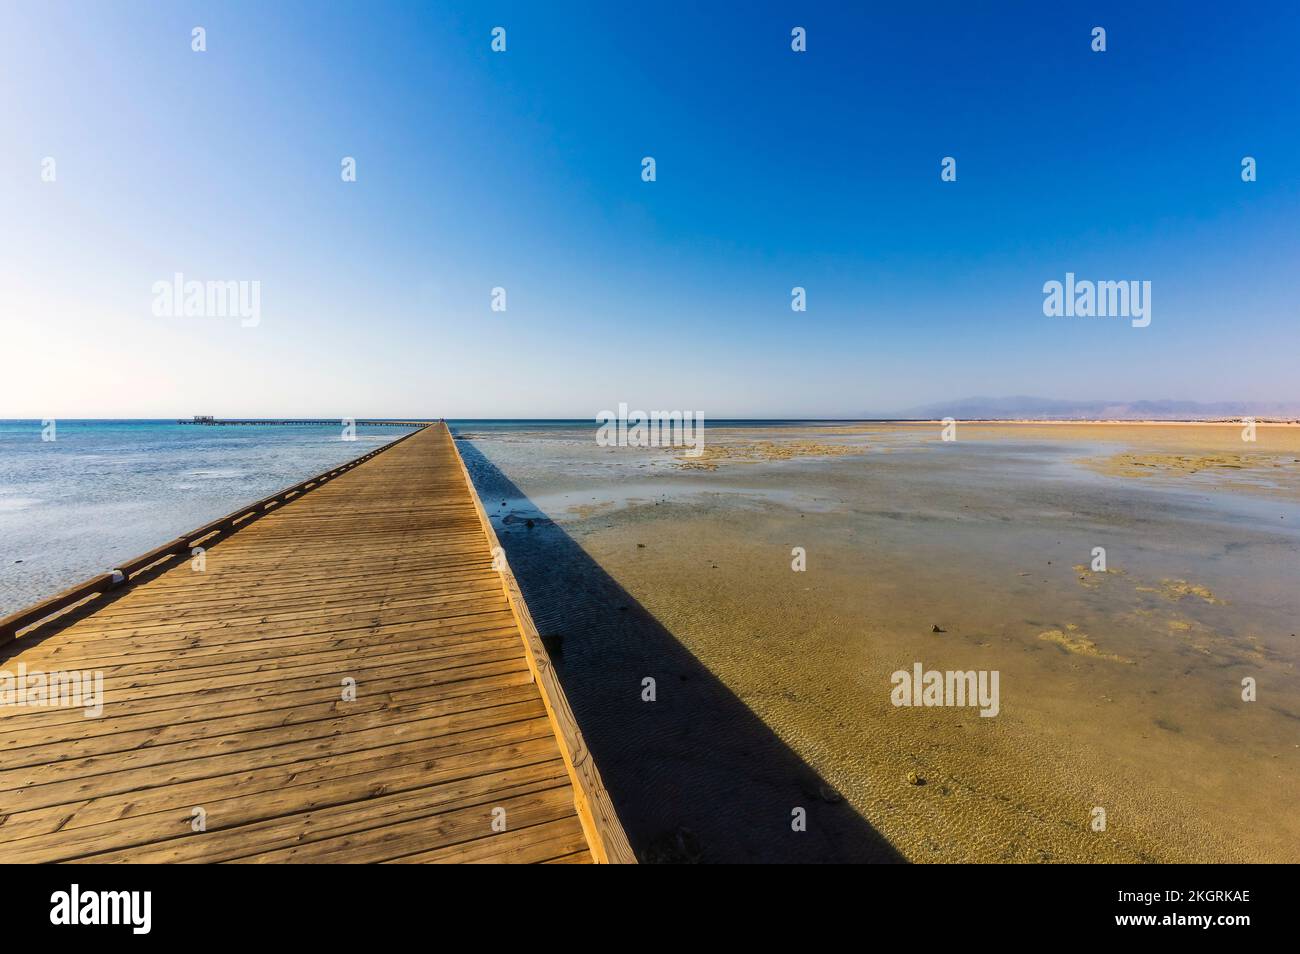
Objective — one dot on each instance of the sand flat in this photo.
(982, 538)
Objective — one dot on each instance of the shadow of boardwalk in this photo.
(695, 775)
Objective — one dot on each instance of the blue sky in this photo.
(522, 170)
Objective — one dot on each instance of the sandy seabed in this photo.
(1120, 689)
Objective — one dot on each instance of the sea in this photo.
(83, 494)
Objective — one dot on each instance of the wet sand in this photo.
(1119, 690)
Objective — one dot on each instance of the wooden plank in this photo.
(140, 828)
(373, 767)
(375, 829)
(562, 838)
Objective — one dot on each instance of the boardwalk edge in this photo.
(605, 835)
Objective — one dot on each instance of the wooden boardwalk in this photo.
(224, 706)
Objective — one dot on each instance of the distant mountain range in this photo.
(1034, 408)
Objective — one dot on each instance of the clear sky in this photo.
(522, 170)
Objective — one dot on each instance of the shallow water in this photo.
(1119, 691)
(102, 491)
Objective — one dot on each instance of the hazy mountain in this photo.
(1034, 408)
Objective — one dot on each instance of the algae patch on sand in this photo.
(750, 452)
(1073, 641)
(1262, 472)
(1177, 589)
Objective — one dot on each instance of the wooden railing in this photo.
(605, 835)
(122, 574)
